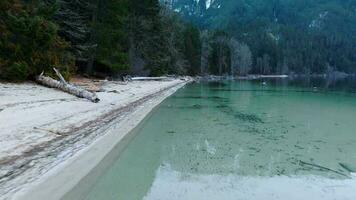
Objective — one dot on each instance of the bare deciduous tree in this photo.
(241, 57)
(205, 52)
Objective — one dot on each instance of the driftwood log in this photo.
(163, 78)
(66, 87)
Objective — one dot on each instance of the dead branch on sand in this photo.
(66, 87)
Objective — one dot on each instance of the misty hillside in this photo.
(317, 35)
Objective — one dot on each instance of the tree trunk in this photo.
(66, 87)
(93, 40)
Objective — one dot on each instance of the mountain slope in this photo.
(306, 35)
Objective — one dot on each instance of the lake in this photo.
(253, 140)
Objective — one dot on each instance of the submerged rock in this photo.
(239, 115)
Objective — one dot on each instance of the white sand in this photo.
(42, 127)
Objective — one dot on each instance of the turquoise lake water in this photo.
(241, 140)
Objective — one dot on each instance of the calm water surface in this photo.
(242, 140)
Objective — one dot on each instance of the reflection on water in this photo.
(242, 140)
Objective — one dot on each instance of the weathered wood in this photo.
(66, 87)
(60, 76)
(322, 168)
(149, 78)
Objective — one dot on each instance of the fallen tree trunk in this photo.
(149, 78)
(66, 87)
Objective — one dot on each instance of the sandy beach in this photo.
(43, 129)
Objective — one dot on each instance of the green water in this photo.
(240, 140)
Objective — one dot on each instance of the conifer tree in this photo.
(29, 43)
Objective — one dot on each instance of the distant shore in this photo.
(335, 75)
(44, 128)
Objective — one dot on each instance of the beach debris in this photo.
(322, 168)
(162, 78)
(347, 167)
(92, 85)
(66, 87)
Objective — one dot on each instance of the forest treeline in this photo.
(96, 37)
(152, 37)
(284, 36)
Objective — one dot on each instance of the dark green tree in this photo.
(112, 36)
(29, 41)
(192, 49)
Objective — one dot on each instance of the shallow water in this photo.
(242, 140)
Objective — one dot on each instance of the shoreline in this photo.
(333, 76)
(49, 165)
